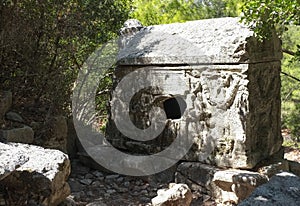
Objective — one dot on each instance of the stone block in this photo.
(31, 175)
(177, 194)
(197, 176)
(20, 135)
(218, 85)
(5, 102)
(237, 185)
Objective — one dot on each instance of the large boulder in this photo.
(32, 175)
(282, 189)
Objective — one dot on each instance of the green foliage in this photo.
(264, 15)
(43, 44)
(151, 12)
(290, 90)
(291, 144)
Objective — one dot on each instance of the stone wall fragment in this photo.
(33, 175)
(24, 134)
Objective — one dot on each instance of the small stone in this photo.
(111, 191)
(145, 186)
(97, 203)
(101, 178)
(126, 184)
(144, 192)
(120, 179)
(97, 183)
(112, 177)
(89, 176)
(13, 116)
(139, 182)
(90, 193)
(137, 188)
(177, 194)
(145, 199)
(86, 181)
(152, 194)
(76, 196)
(136, 193)
(114, 185)
(97, 173)
(69, 201)
(123, 190)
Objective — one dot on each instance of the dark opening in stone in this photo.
(174, 107)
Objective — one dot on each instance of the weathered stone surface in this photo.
(197, 176)
(177, 194)
(21, 135)
(13, 116)
(237, 185)
(222, 40)
(5, 102)
(282, 189)
(247, 96)
(274, 168)
(33, 175)
(220, 72)
(294, 167)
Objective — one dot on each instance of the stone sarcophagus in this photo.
(212, 82)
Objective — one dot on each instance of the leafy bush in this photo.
(43, 44)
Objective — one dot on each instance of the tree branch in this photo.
(289, 52)
(295, 78)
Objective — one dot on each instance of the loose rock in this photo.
(282, 189)
(237, 185)
(177, 194)
(18, 135)
(31, 173)
(13, 116)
